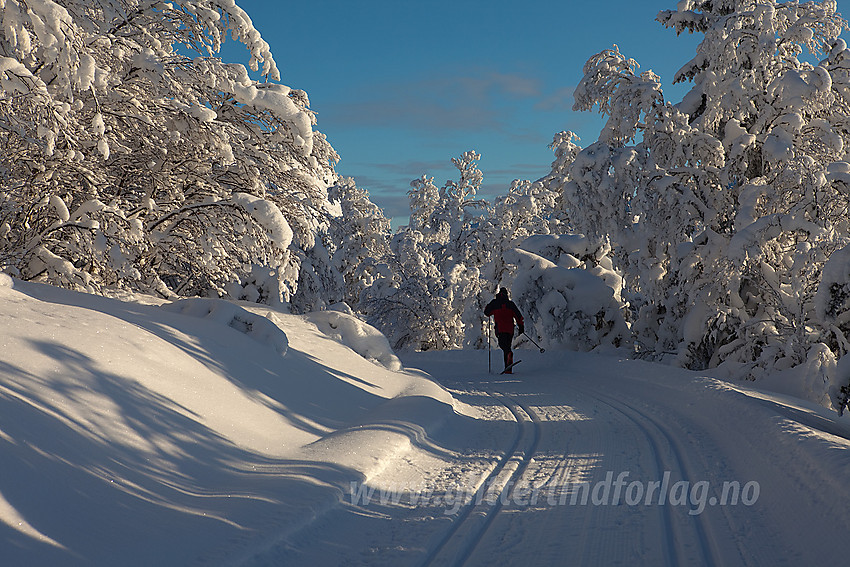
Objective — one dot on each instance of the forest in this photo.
(709, 233)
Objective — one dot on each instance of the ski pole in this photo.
(534, 343)
(489, 347)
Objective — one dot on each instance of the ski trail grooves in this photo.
(520, 470)
(658, 437)
(467, 531)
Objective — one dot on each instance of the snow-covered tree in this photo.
(128, 163)
(726, 206)
(361, 235)
(433, 276)
(407, 299)
(457, 250)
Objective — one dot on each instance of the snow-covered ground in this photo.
(206, 432)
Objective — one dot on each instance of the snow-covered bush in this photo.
(832, 310)
(832, 301)
(407, 299)
(567, 292)
(361, 236)
(320, 283)
(426, 291)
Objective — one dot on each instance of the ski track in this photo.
(550, 538)
(669, 460)
(554, 438)
(459, 543)
(467, 531)
(550, 471)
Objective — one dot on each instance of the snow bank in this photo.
(340, 324)
(255, 326)
(183, 441)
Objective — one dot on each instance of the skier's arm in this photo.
(518, 318)
(517, 314)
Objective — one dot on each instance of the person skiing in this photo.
(505, 312)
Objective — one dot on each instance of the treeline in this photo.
(712, 232)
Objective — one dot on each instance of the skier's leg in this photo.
(505, 340)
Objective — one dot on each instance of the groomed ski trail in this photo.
(575, 420)
(691, 428)
(470, 526)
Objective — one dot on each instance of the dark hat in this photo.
(503, 292)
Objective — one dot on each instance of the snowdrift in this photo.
(138, 434)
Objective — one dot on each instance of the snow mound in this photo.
(340, 324)
(570, 303)
(5, 280)
(255, 326)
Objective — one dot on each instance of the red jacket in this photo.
(504, 311)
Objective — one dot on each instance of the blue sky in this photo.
(401, 87)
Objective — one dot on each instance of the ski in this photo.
(510, 366)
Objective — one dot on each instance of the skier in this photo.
(504, 312)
